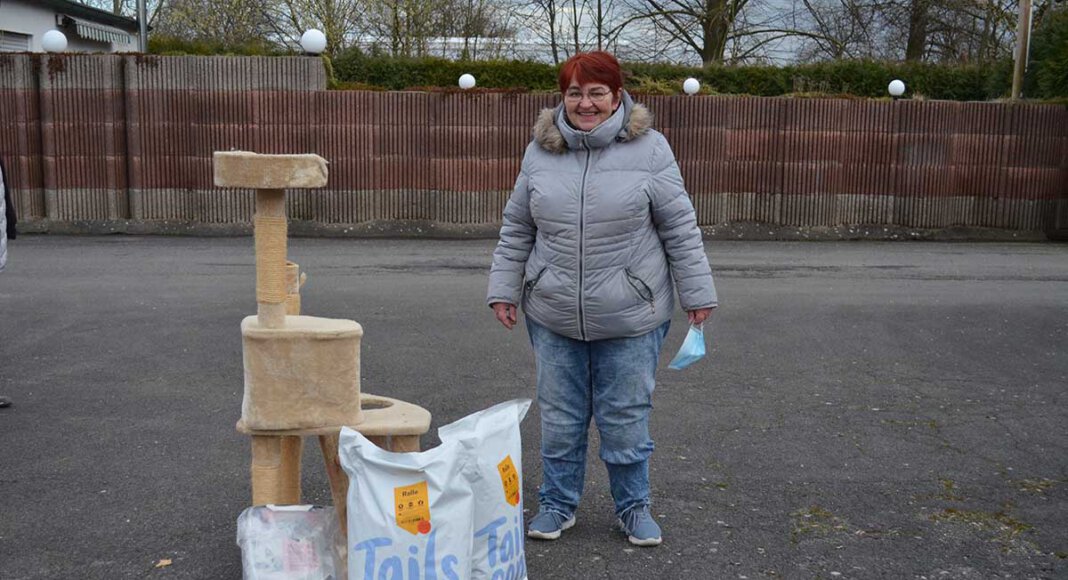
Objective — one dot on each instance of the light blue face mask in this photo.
(692, 349)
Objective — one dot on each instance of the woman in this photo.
(597, 235)
(7, 230)
(7, 218)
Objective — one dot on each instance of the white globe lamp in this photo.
(313, 41)
(690, 86)
(896, 88)
(54, 41)
(467, 81)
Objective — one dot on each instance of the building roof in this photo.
(78, 10)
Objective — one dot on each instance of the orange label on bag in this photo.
(412, 503)
(509, 480)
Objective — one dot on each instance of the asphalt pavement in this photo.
(867, 409)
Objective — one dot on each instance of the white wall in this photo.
(26, 17)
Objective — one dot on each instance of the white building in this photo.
(23, 22)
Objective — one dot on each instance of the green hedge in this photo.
(1047, 77)
(405, 73)
(174, 46)
(852, 78)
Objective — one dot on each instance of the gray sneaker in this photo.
(548, 524)
(640, 527)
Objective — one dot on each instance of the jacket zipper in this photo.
(582, 242)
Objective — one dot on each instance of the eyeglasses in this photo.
(596, 96)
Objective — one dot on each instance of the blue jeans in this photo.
(610, 381)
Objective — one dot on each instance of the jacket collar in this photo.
(630, 121)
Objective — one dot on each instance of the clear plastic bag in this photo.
(300, 542)
(692, 349)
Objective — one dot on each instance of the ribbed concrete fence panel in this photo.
(83, 138)
(182, 109)
(20, 131)
(127, 141)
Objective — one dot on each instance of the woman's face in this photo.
(589, 105)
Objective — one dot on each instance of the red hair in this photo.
(592, 67)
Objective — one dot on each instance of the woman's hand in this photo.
(505, 313)
(697, 316)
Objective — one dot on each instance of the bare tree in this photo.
(547, 12)
(702, 25)
(951, 31)
(562, 23)
(608, 22)
(919, 21)
(955, 31)
(339, 20)
(768, 33)
(575, 21)
(403, 26)
(127, 8)
(843, 29)
(713, 31)
(707, 27)
(229, 23)
(482, 24)
(971, 30)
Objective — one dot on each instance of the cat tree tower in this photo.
(302, 373)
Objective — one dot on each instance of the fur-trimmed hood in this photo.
(630, 121)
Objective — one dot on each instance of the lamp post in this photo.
(690, 86)
(142, 26)
(896, 89)
(54, 41)
(313, 41)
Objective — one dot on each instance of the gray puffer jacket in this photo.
(597, 228)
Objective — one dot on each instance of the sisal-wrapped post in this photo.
(276, 470)
(270, 231)
(270, 176)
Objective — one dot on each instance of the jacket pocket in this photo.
(531, 283)
(639, 286)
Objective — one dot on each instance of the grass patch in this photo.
(1003, 528)
(1035, 486)
(815, 521)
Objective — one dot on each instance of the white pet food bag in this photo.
(495, 470)
(409, 513)
(292, 542)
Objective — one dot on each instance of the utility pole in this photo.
(600, 25)
(1023, 42)
(142, 24)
